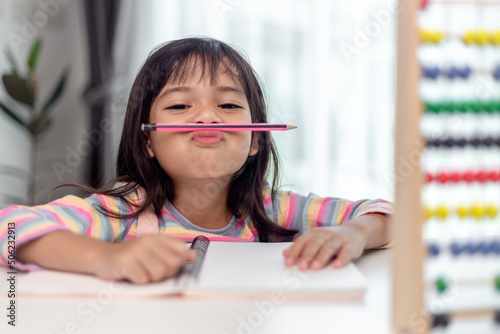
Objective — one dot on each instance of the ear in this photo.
(151, 153)
(254, 148)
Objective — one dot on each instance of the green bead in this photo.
(476, 106)
(441, 285)
(439, 107)
(453, 107)
(489, 106)
(462, 107)
(447, 106)
(497, 106)
(428, 107)
(497, 283)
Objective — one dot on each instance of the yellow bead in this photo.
(491, 211)
(495, 37)
(477, 210)
(462, 211)
(425, 36)
(469, 37)
(482, 37)
(428, 213)
(441, 212)
(437, 36)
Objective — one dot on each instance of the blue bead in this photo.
(465, 72)
(485, 247)
(453, 72)
(456, 249)
(496, 246)
(471, 247)
(435, 71)
(430, 72)
(434, 249)
(496, 73)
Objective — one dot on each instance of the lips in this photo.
(207, 137)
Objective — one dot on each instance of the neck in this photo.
(203, 202)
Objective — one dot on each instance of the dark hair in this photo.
(134, 167)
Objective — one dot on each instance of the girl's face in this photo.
(201, 154)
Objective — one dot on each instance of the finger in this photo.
(311, 248)
(135, 272)
(296, 249)
(154, 265)
(286, 251)
(344, 255)
(191, 255)
(326, 253)
(175, 245)
(167, 263)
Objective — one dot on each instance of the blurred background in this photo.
(327, 67)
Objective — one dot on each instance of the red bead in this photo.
(482, 176)
(442, 177)
(494, 175)
(429, 177)
(455, 176)
(469, 176)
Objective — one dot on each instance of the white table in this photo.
(181, 315)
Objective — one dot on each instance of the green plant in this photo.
(23, 89)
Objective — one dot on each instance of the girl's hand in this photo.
(142, 260)
(316, 248)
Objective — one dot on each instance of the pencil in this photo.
(216, 127)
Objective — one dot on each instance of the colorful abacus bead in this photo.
(491, 211)
(485, 247)
(441, 212)
(441, 284)
(469, 37)
(477, 211)
(433, 249)
(497, 283)
(462, 211)
(482, 37)
(431, 72)
(456, 248)
(496, 72)
(494, 176)
(428, 213)
(482, 176)
(495, 37)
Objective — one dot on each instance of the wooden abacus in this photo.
(446, 226)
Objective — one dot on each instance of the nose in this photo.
(206, 114)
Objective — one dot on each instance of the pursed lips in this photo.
(207, 137)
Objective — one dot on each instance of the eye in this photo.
(229, 106)
(178, 107)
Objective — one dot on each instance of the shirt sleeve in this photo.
(69, 213)
(302, 213)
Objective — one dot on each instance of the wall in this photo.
(63, 148)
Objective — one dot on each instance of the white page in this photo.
(248, 268)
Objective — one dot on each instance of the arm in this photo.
(141, 260)
(343, 243)
(330, 228)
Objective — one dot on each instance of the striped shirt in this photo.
(79, 215)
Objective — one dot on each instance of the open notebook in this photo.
(221, 269)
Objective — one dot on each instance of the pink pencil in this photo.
(216, 127)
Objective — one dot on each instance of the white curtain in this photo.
(327, 67)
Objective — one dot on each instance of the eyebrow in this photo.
(191, 89)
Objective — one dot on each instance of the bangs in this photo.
(207, 63)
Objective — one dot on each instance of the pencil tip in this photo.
(290, 127)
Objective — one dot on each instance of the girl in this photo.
(190, 183)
